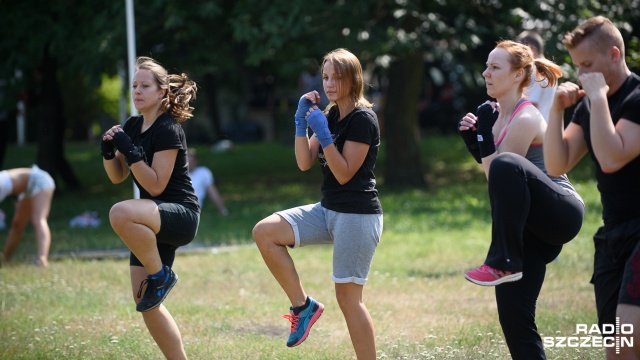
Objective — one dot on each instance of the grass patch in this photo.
(227, 303)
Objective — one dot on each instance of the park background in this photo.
(64, 69)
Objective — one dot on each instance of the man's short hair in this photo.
(599, 30)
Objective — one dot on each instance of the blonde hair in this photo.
(348, 65)
(179, 89)
(521, 57)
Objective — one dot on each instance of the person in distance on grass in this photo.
(345, 142)
(203, 183)
(605, 123)
(34, 188)
(533, 213)
(153, 148)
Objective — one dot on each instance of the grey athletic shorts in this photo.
(354, 238)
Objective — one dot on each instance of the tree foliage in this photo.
(222, 44)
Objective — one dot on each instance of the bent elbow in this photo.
(155, 192)
(554, 169)
(609, 168)
(554, 172)
(115, 180)
(343, 180)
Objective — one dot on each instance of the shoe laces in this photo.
(490, 270)
(142, 284)
(294, 321)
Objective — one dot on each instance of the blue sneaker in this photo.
(301, 324)
(157, 290)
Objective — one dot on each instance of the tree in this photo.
(43, 38)
(193, 38)
(221, 43)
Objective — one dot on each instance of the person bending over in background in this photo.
(153, 148)
(34, 188)
(533, 213)
(346, 144)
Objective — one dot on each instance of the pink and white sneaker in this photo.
(485, 275)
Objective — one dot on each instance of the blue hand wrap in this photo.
(301, 126)
(318, 123)
(304, 105)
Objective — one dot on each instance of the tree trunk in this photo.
(52, 125)
(402, 133)
(211, 97)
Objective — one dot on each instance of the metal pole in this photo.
(20, 123)
(131, 51)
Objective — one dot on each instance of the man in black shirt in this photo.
(606, 123)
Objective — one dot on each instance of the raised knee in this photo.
(117, 215)
(260, 234)
(504, 161)
(273, 231)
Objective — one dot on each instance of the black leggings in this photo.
(532, 218)
(526, 202)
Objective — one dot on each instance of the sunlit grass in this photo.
(227, 304)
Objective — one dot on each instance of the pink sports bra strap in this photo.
(519, 107)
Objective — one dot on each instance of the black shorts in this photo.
(616, 269)
(178, 227)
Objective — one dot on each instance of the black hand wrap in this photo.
(486, 119)
(123, 143)
(108, 150)
(470, 138)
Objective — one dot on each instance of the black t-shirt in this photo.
(620, 191)
(359, 195)
(164, 134)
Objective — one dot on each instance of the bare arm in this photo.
(563, 148)
(613, 146)
(345, 165)
(306, 152)
(214, 195)
(116, 168)
(526, 128)
(155, 178)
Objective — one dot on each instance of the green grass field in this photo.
(227, 304)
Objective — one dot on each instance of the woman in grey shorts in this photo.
(345, 143)
(34, 188)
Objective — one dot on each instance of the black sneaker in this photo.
(157, 290)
